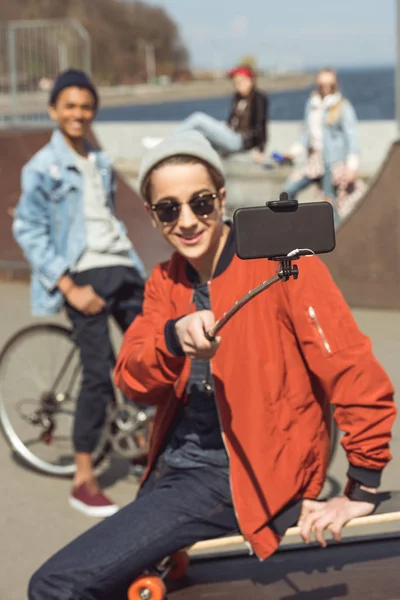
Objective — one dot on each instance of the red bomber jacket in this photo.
(283, 359)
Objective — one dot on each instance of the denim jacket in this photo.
(49, 222)
(340, 139)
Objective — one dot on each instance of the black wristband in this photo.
(354, 492)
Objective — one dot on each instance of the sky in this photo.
(286, 34)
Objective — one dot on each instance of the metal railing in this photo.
(32, 53)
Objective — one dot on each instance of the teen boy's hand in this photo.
(84, 299)
(191, 334)
(316, 517)
(81, 297)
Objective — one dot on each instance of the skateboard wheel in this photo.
(147, 587)
(180, 564)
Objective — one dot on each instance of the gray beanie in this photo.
(187, 143)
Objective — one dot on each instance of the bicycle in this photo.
(49, 408)
(40, 374)
(126, 428)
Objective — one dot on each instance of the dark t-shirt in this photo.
(196, 440)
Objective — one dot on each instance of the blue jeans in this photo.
(219, 134)
(292, 188)
(174, 509)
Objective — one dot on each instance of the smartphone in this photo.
(280, 227)
(278, 157)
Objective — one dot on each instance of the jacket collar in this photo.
(224, 261)
(66, 157)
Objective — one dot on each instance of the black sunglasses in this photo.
(168, 211)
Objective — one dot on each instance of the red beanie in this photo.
(242, 70)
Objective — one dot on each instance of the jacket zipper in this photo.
(247, 544)
(314, 319)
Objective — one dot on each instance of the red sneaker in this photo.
(92, 504)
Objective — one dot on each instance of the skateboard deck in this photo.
(151, 584)
(387, 511)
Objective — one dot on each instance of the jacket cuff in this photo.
(287, 517)
(171, 339)
(51, 274)
(368, 477)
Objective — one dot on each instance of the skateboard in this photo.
(151, 585)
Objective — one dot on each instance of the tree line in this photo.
(119, 32)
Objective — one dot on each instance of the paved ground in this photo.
(35, 518)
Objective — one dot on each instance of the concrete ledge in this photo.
(14, 271)
(123, 140)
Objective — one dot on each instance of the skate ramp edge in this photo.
(365, 263)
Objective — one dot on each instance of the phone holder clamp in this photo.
(286, 268)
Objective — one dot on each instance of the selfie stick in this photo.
(285, 272)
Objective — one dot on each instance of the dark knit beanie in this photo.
(72, 78)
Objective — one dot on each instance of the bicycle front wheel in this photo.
(40, 378)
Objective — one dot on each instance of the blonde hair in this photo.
(334, 112)
(334, 76)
